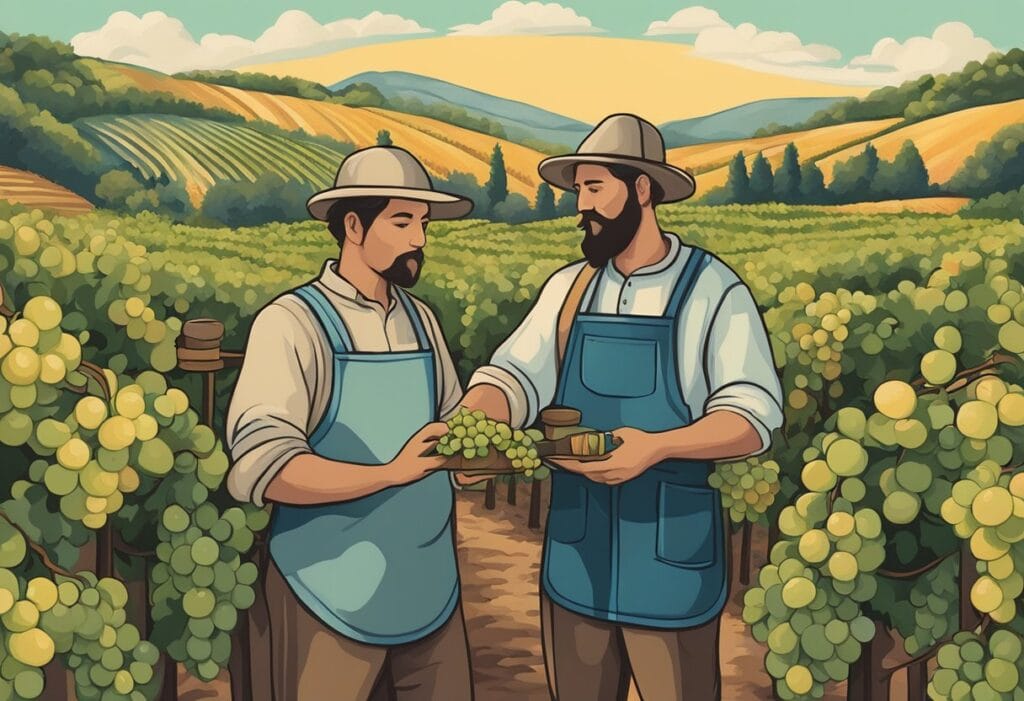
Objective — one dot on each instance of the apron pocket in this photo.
(619, 367)
(567, 518)
(686, 525)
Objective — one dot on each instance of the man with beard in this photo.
(362, 584)
(660, 343)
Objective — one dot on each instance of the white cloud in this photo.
(949, 47)
(516, 17)
(158, 41)
(690, 20)
(890, 62)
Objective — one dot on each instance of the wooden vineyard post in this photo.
(917, 681)
(535, 497)
(745, 555)
(969, 617)
(868, 680)
(490, 496)
(512, 496)
(199, 351)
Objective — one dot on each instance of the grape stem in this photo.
(893, 574)
(889, 670)
(96, 372)
(41, 552)
(965, 377)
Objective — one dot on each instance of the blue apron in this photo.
(380, 569)
(650, 551)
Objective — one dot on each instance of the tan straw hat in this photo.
(387, 171)
(622, 139)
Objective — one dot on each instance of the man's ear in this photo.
(643, 189)
(354, 229)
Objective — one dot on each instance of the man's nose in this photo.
(419, 237)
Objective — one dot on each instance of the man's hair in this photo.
(629, 174)
(366, 208)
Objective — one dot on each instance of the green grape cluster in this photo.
(201, 573)
(970, 668)
(815, 345)
(82, 620)
(748, 488)
(474, 435)
(987, 509)
(35, 358)
(141, 324)
(807, 605)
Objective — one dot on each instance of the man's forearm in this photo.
(490, 400)
(309, 479)
(719, 435)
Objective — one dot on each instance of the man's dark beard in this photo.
(614, 235)
(399, 272)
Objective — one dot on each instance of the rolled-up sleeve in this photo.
(524, 366)
(270, 408)
(739, 366)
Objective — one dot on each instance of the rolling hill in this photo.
(582, 77)
(438, 145)
(519, 119)
(23, 187)
(201, 152)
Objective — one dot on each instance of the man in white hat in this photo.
(341, 394)
(661, 343)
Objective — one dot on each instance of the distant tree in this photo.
(996, 166)
(737, 187)
(812, 184)
(906, 176)
(497, 184)
(761, 180)
(1000, 205)
(466, 185)
(545, 203)
(852, 180)
(787, 177)
(115, 187)
(566, 206)
(514, 209)
(270, 198)
(384, 138)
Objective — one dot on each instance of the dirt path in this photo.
(499, 559)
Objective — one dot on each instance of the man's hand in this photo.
(416, 459)
(638, 451)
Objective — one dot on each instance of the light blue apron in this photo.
(650, 551)
(380, 569)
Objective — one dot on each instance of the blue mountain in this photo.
(742, 121)
(520, 120)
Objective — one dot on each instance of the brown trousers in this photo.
(313, 662)
(592, 660)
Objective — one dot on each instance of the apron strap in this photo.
(570, 306)
(696, 262)
(328, 317)
(417, 323)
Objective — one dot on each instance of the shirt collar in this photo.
(334, 282)
(662, 265)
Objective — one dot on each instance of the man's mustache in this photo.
(590, 216)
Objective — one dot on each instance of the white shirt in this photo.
(285, 381)
(725, 359)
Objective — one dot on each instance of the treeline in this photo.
(864, 177)
(1000, 78)
(493, 201)
(284, 85)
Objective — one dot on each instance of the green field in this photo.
(202, 152)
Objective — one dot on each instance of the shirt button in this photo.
(629, 284)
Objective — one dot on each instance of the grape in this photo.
(895, 399)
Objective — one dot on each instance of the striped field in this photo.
(23, 187)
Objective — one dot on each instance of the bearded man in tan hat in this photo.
(660, 343)
(341, 395)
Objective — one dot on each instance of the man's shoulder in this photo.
(561, 280)
(717, 276)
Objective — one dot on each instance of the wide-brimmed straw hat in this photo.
(622, 139)
(387, 171)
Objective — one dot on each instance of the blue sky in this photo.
(868, 42)
(851, 27)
